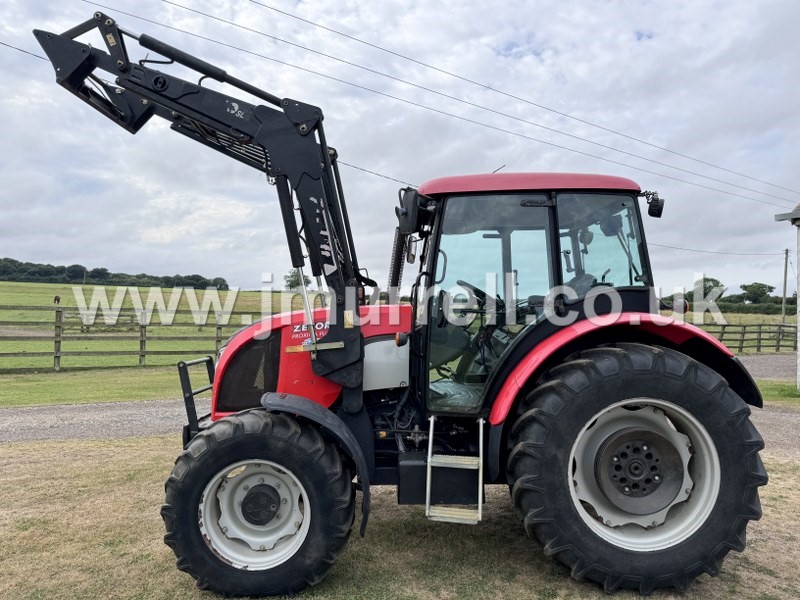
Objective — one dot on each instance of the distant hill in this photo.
(15, 270)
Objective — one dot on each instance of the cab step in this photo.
(455, 462)
(454, 514)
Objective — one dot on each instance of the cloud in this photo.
(716, 81)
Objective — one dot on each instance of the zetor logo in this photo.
(305, 327)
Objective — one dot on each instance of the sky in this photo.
(705, 95)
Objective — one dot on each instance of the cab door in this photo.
(491, 266)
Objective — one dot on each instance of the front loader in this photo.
(532, 354)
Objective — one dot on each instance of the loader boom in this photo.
(286, 141)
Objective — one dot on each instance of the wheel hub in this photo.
(639, 471)
(254, 514)
(608, 436)
(261, 504)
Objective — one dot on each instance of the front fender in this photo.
(335, 427)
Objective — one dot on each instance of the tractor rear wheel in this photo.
(636, 467)
(258, 504)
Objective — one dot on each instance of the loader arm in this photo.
(285, 140)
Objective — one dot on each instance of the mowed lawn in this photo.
(79, 519)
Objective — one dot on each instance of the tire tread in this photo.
(539, 415)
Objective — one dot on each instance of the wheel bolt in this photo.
(283, 500)
(626, 490)
(277, 485)
(278, 516)
(297, 525)
(645, 448)
(656, 478)
(246, 487)
(615, 459)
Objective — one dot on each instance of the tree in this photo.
(219, 283)
(99, 275)
(76, 273)
(707, 285)
(292, 279)
(756, 292)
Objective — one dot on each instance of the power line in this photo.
(24, 51)
(526, 101)
(716, 252)
(467, 102)
(432, 109)
(352, 166)
(390, 178)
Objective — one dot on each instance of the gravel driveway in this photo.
(781, 365)
(778, 425)
(101, 420)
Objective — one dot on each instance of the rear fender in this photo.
(629, 327)
(335, 428)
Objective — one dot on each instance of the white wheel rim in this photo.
(234, 537)
(694, 501)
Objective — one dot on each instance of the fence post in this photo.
(758, 338)
(742, 332)
(722, 332)
(142, 339)
(218, 340)
(779, 337)
(58, 328)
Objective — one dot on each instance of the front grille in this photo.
(250, 374)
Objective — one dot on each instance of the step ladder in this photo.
(454, 514)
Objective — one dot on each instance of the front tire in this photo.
(258, 504)
(636, 467)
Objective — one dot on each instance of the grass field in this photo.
(779, 393)
(79, 519)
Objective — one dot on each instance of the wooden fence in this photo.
(64, 326)
(761, 337)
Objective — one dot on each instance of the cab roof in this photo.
(507, 182)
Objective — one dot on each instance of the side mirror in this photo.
(655, 205)
(408, 210)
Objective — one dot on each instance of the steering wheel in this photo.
(480, 296)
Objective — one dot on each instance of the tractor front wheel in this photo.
(636, 467)
(258, 504)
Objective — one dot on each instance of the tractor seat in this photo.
(448, 396)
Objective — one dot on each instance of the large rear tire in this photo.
(636, 467)
(258, 504)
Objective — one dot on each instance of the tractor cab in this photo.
(505, 253)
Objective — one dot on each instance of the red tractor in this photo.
(532, 354)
